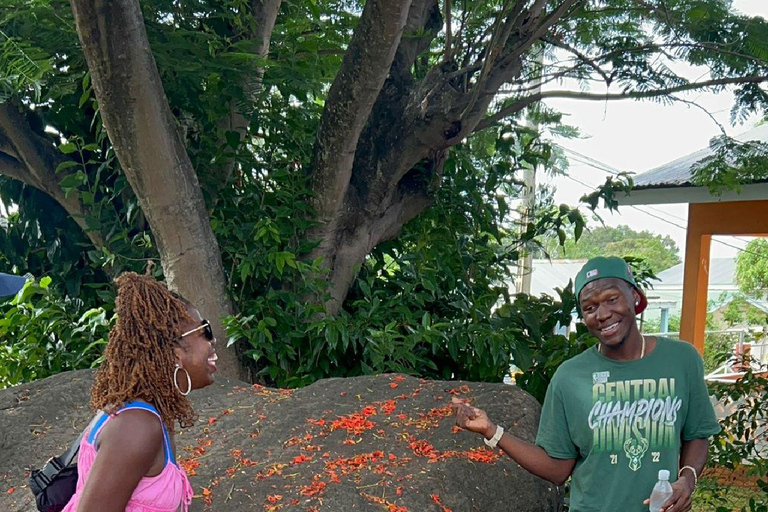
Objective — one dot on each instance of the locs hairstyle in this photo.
(139, 360)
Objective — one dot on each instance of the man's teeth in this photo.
(213, 358)
(610, 327)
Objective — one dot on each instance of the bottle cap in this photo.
(663, 474)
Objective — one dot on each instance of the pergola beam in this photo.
(705, 220)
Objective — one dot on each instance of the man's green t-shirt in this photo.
(623, 421)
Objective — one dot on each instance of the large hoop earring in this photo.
(175, 382)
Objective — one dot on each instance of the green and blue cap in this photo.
(604, 267)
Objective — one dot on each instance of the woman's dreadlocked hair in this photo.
(139, 359)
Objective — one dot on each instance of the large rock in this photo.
(373, 443)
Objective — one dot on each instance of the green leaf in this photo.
(66, 165)
(68, 148)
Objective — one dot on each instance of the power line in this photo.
(609, 169)
(684, 228)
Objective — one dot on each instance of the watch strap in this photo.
(492, 442)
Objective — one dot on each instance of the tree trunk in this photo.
(144, 134)
(366, 193)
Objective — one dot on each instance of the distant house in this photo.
(742, 212)
(666, 297)
(547, 275)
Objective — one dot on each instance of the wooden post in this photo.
(695, 285)
(705, 220)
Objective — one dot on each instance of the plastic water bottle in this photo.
(662, 491)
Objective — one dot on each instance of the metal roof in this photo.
(722, 272)
(677, 173)
(550, 274)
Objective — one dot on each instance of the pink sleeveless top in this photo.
(161, 493)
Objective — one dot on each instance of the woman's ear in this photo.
(178, 352)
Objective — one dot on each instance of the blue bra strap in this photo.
(135, 405)
(148, 407)
(97, 427)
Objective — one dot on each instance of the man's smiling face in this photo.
(608, 309)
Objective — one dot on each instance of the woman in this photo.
(159, 350)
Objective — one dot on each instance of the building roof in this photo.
(671, 182)
(679, 172)
(550, 274)
(722, 272)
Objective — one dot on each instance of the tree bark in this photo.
(364, 195)
(143, 133)
(350, 101)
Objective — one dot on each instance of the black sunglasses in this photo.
(205, 326)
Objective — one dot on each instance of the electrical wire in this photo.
(684, 228)
(607, 168)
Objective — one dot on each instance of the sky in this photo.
(636, 136)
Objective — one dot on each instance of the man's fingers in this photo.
(462, 416)
(678, 502)
(465, 410)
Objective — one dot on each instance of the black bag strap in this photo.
(55, 465)
(68, 456)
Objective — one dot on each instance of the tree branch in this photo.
(508, 64)
(448, 31)
(12, 168)
(351, 98)
(423, 24)
(528, 100)
(548, 22)
(265, 13)
(32, 159)
(237, 120)
(583, 58)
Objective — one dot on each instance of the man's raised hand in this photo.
(472, 418)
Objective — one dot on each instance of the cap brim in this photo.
(10, 284)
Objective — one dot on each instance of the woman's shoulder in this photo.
(133, 428)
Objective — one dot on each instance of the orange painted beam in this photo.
(704, 221)
(729, 218)
(695, 287)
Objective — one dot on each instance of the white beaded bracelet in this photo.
(695, 476)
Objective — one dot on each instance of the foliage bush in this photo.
(742, 443)
(425, 304)
(44, 333)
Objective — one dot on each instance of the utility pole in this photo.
(525, 261)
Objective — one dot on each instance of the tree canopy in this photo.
(752, 268)
(331, 179)
(659, 252)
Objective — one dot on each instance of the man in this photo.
(619, 412)
(10, 285)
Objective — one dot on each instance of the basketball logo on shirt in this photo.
(635, 449)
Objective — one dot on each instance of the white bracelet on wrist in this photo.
(695, 476)
(491, 443)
